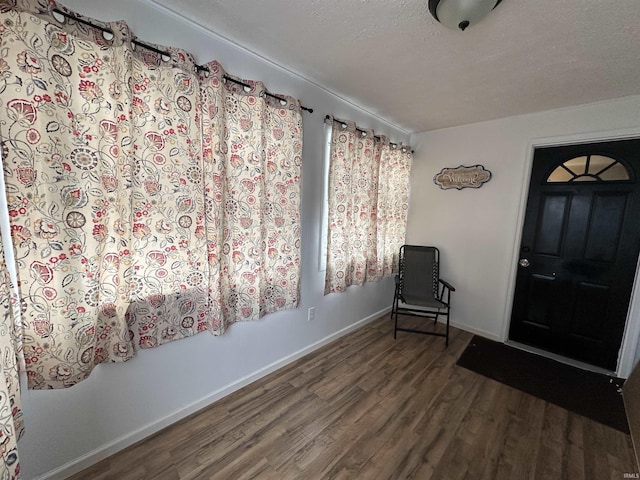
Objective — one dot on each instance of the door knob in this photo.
(524, 262)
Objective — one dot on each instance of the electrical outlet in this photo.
(311, 314)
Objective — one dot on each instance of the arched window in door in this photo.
(590, 168)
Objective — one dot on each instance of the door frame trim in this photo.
(631, 336)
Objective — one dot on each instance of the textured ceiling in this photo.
(394, 60)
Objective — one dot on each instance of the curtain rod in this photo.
(108, 30)
(377, 137)
(230, 79)
(160, 52)
(80, 20)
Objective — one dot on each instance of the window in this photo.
(368, 198)
(324, 222)
(589, 168)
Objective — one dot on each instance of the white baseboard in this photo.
(476, 331)
(108, 449)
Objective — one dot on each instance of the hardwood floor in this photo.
(367, 407)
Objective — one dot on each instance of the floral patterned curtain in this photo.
(253, 153)
(147, 203)
(11, 424)
(368, 202)
(392, 208)
(166, 281)
(66, 132)
(104, 190)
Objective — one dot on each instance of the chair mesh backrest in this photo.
(419, 271)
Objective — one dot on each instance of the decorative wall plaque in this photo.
(462, 177)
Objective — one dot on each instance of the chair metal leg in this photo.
(395, 327)
(446, 338)
(395, 309)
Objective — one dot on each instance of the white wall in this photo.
(478, 230)
(121, 403)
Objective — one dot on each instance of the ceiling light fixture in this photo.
(460, 14)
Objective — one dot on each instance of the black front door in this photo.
(579, 250)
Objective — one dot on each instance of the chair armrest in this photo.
(447, 285)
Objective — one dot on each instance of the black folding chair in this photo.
(420, 292)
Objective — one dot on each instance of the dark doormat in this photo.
(592, 395)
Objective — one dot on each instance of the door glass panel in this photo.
(614, 173)
(597, 163)
(591, 168)
(560, 175)
(577, 165)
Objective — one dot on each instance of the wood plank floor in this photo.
(368, 407)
